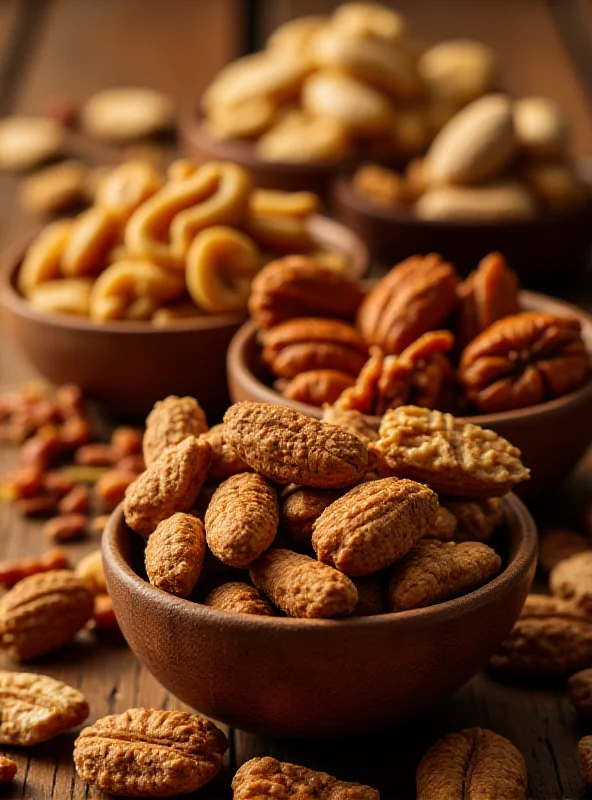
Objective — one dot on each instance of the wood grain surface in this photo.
(73, 47)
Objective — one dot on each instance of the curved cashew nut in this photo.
(221, 264)
(43, 258)
(93, 234)
(126, 187)
(279, 233)
(65, 296)
(265, 202)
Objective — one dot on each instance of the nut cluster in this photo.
(420, 336)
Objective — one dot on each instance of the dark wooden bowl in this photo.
(127, 366)
(552, 436)
(540, 250)
(296, 677)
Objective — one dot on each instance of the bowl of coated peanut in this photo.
(140, 295)
(298, 578)
(327, 92)
(498, 175)
(481, 348)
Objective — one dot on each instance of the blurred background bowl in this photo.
(300, 677)
(552, 436)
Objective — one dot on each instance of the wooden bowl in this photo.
(539, 250)
(552, 436)
(128, 366)
(298, 677)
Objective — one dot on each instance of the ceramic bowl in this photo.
(552, 436)
(314, 678)
(127, 366)
(538, 249)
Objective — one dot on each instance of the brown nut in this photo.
(170, 421)
(473, 763)
(36, 708)
(90, 570)
(13, 571)
(444, 526)
(374, 525)
(75, 501)
(241, 519)
(174, 554)
(476, 520)
(170, 484)
(416, 296)
(126, 441)
(579, 687)
(351, 421)
(299, 286)
(239, 598)
(8, 769)
(585, 759)
(145, 752)
(225, 460)
(43, 612)
(571, 579)
(112, 486)
(95, 455)
(301, 507)
(307, 343)
(317, 387)
(288, 447)
(65, 528)
(303, 587)
(557, 544)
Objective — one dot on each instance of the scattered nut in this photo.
(571, 579)
(90, 570)
(65, 528)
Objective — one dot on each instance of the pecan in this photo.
(307, 343)
(131, 463)
(361, 396)
(11, 572)
(302, 587)
(523, 360)
(317, 386)
(352, 421)
(444, 526)
(486, 295)
(374, 525)
(572, 580)
(585, 758)
(36, 708)
(170, 484)
(225, 460)
(557, 544)
(90, 570)
(299, 286)
(473, 764)
(239, 598)
(372, 596)
(7, 769)
(452, 456)
(476, 520)
(126, 441)
(260, 778)
(241, 519)
(112, 485)
(174, 554)
(65, 528)
(95, 455)
(551, 637)
(416, 296)
(146, 752)
(75, 502)
(288, 447)
(170, 421)
(579, 687)
(43, 612)
(435, 571)
(301, 507)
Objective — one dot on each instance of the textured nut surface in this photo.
(298, 286)
(241, 519)
(473, 764)
(579, 687)
(318, 387)
(303, 587)
(551, 637)
(352, 421)
(268, 777)
(7, 769)
(43, 612)
(557, 544)
(175, 553)
(288, 447)
(476, 520)
(302, 507)
(585, 758)
(35, 708)
(239, 598)
(374, 525)
(225, 460)
(170, 484)
(452, 456)
(444, 526)
(435, 571)
(572, 580)
(146, 752)
(414, 297)
(170, 421)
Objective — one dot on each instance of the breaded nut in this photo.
(175, 553)
(239, 598)
(170, 421)
(302, 587)
(225, 460)
(300, 509)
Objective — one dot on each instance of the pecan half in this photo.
(318, 386)
(523, 360)
(585, 758)
(414, 297)
(352, 421)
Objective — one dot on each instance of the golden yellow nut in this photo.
(369, 21)
(458, 71)
(92, 236)
(43, 258)
(542, 130)
(293, 38)
(168, 315)
(556, 184)
(126, 187)
(279, 233)
(54, 188)
(221, 263)
(264, 202)
(246, 119)
(65, 296)
(123, 283)
(181, 169)
(301, 138)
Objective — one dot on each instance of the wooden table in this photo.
(73, 47)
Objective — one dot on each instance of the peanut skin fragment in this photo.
(473, 764)
(302, 587)
(175, 553)
(288, 447)
(374, 525)
(241, 519)
(434, 571)
(239, 598)
(170, 421)
(267, 777)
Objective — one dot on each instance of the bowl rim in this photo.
(519, 565)
(237, 366)
(323, 228)
(343, 193)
